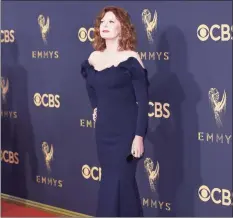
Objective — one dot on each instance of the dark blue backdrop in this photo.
(48, 149)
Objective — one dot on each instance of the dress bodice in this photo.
(119, 89)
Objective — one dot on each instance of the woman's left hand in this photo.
(137, 147)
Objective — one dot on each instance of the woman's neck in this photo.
(112, 45)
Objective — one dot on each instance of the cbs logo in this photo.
(47, 100)
(7, 36)
(91, 172)
(159, 110)
(216, 32)
(10, 157)
(217, 195)
(84, 34)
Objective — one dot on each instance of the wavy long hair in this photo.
(127, 39)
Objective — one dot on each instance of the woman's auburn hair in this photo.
(127, 39)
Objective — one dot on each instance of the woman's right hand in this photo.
(94, 115)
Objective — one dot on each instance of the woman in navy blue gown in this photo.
(117, 86)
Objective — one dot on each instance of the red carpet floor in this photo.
(9, 209)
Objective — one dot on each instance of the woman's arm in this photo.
(85, 71)
(140, 84)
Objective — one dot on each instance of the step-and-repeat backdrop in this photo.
(48, 151)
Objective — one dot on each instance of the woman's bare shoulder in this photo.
(93, 57)
(135, 55)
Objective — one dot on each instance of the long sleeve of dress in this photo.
(85, 71)
(140, 84)
(92, 95)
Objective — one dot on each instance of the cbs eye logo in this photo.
(47, 100)
(216, 195)
(84, 34)
(91, 172)
(216, 32)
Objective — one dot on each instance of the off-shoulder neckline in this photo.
(117, 66)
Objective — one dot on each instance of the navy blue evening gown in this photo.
(121, 96)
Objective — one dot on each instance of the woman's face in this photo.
(110, 27)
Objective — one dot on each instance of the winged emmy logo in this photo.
(218, 106)
(48, 154)
(150, 24)
(4, 88)
(44, 27)
(153, 174)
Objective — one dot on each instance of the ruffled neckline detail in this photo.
(124, 63)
